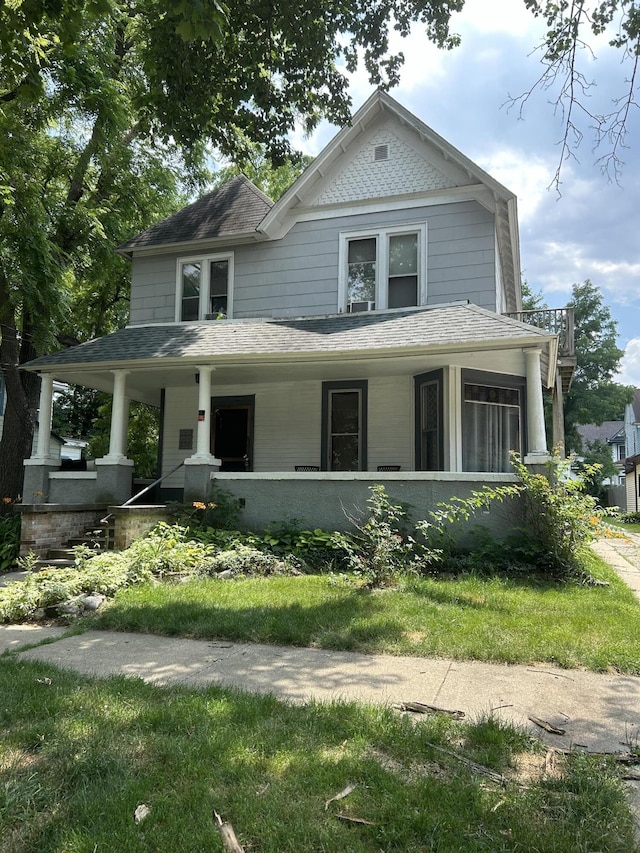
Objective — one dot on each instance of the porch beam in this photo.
(537, 438)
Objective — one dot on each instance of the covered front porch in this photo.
(298, 418)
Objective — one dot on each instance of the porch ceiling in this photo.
(335, 347)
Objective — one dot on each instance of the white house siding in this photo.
(391, 422)
(287, 428)
(298, 275)
(632, 484)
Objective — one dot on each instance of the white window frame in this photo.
(204, 261)
(382, 236)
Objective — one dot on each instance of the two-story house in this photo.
(360, 329)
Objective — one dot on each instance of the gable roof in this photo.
(234, 210)
(470, 179)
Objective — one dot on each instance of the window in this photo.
(492, 420)
(429, 422)
(383, 269)
(204, 288)
(344, 428)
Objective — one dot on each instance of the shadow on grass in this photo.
(81, 754)
(345, 622)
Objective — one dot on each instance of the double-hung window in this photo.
(383, 268)
(205, 288)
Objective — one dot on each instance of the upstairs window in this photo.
(205, 288)
(385, 269)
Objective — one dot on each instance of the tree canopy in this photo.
(595, 396)
(108, 107)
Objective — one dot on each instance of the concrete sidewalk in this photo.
(598, 712)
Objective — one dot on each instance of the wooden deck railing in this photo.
(559, 321)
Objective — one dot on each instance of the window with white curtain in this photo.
(491, 426)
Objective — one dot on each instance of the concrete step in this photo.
(54, 563)
(98, 543)
(61, 554)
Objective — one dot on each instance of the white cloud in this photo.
(630, 365)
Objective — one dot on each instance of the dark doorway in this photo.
(232, 432)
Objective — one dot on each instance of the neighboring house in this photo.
(57, 443)
(611, 433)
(632, 449)
(632, 425)
(365, 327)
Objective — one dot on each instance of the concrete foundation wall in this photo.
(81, 484)
(325, 499)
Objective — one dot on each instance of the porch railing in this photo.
(558, 321)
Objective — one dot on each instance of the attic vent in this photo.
(380, 152)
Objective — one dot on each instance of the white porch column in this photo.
(119, 418)
(203, 435)
(43, 448)
(537, 439)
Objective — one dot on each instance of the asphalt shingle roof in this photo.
(238, 207)
(344, 333)
(601, 432)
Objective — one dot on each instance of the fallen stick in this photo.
(548, 727)
(421, 708)
(228, 836)
(628, 758)
(478, 768)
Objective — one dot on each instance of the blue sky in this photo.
(591, 229)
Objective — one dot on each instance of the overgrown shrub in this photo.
(379, 549)
(559, 517)
(630, 518)
(558, 520)
(9, 538)
(245, 560)
(164, 553)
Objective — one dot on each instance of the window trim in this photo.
(205, 285)
(381, 235)
(360, 385)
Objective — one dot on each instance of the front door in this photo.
(231, 432)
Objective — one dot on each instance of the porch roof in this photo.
(246, 352)
(371, 334)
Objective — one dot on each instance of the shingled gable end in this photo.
(363, 327)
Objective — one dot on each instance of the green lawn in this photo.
(491, 619)
(79, 756)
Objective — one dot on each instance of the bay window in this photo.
(492, 419)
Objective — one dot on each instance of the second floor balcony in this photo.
(558, 321)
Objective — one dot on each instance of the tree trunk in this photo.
(22, 400)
